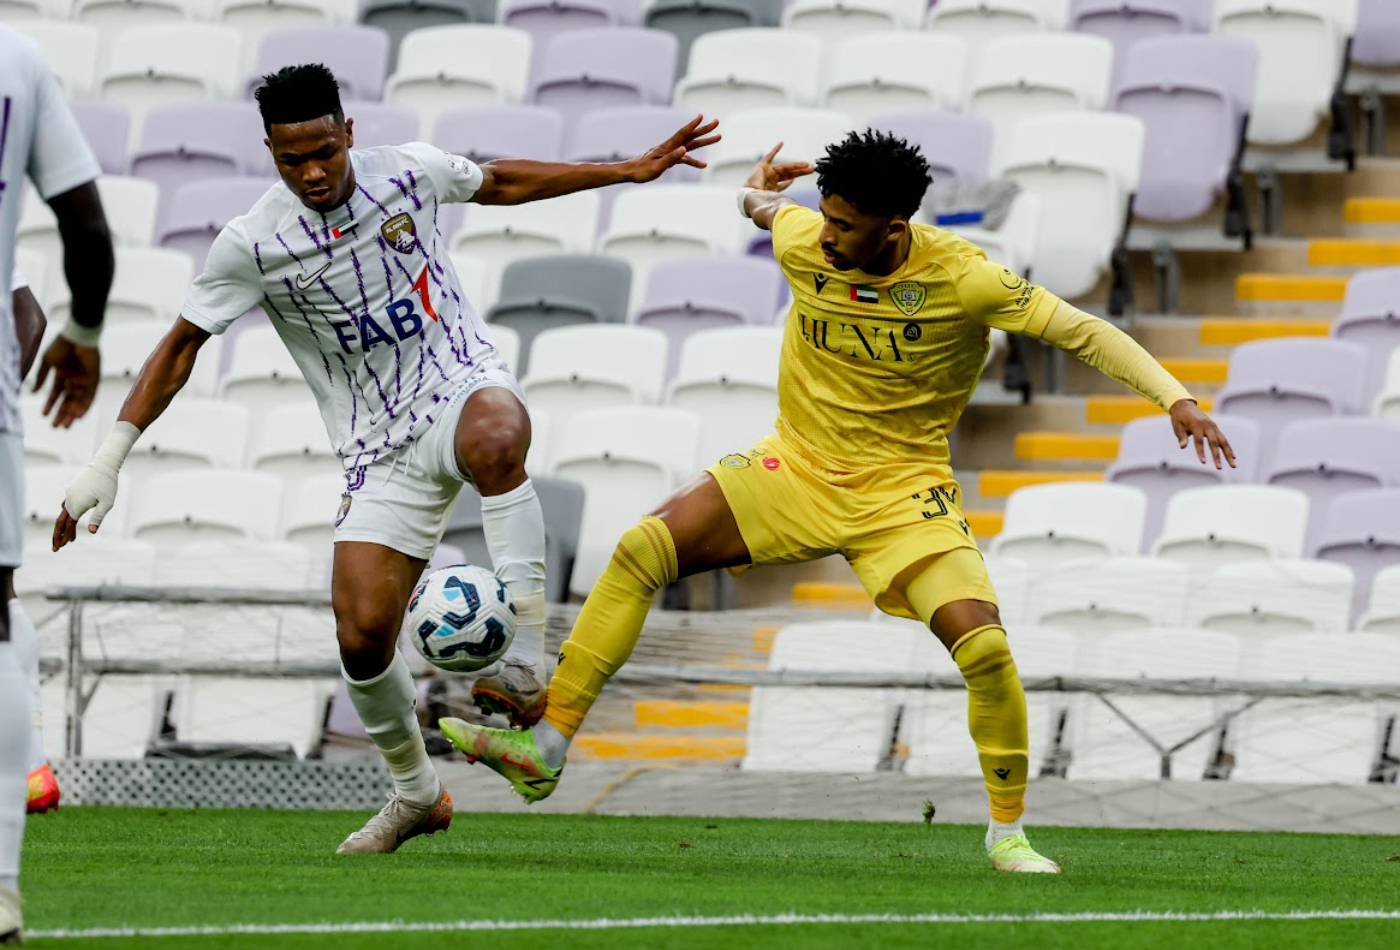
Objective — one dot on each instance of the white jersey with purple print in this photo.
(364, 296)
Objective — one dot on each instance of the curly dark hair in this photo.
(875, 171)
(299, 94)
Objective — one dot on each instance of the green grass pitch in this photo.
(116, 867)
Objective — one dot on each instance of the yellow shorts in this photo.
(899, 526)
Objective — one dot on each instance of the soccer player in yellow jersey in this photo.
(883, 347)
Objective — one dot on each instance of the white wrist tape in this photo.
(743, 195)
(80, 335)
(95, 487)
(117, 446)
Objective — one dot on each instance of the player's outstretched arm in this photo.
(164, 374)
(516, 181)
(761, 196)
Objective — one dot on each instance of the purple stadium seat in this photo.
(194, 215)
(1150, 458)
(1126, 22)
(495, 132)
(1327, 458)
(761, 241)
(546, 19)
(957, 145)
(1275, 382)
(378, 124)
(193, 141)
(1371, 318)
(691, 294)
(1362, 531)
(105, 126)
(1376, 42)
(357, 55)
(612, 135)
(588, 70)
(1194, 94)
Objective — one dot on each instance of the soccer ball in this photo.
(461, 618)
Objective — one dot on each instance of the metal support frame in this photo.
(1166, 269)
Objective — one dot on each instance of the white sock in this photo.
(553, 744)
(997, 830)
(514, 529)
(385, 704)
(26, 642)
(14, 763)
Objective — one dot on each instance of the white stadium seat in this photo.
(1011, 578)
(734, 71)
(192, 434)
(507, 342)
(187, 507)
(237, 563)
(291, 443)
(906, 72)
(112, 16)
(834, 20)
(474, 274)
(243, 712)
(729, 379)
(1121, 593)
(829, 729)
(123, 716)
(254, 19)
(500, 234)
(130, 205)
(627, 460)
(805, 134)
(1387, 404)
(150, 283)
(125, 349)
(262, 375)
(91, 561)
(1053, 524)
(1219, 524)
(308, 515)
(1013, 245)
(1383, 609)
(457, 67)
(70, 49)
(46, 445)
(981, 21)
(1263, 599)
(24, 12)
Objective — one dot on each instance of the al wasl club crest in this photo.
(400, 233)
(908, 296)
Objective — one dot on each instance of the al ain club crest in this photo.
(400, 232)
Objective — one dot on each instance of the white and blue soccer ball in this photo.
(461, 618)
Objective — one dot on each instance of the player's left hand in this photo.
(76, 370)
(1189, 422)
(675, 150)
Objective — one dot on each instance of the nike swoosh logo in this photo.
(306, 282)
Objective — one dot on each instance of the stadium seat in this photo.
(1362, 531)
(237, 563)
(835, 20)
(357, 55)
(1110, 746)
(130, 205)
(107, 130)
(729, 379)
(458, 67)
(262, 376)
(192, 141)
(123, 716)
(615, 135)
(127, 346)
(1125, 23)
(1275, 382)
(184, 507)
(829, 729)
(905, 72)
(307, 518)
(190, 435)
(168, 63)
(256, 19)
(691, 295)
(546, 19)
(46, 445)
(1012, 580)
(290, 442)
(1038, 74)
(980, 21)
(1094, 598)
(70, 49)
(541, 293)
(1324, 739)
(561, 501)
(1371, 317)
(956, 145)
(93, 560)
(150, 283)
(587, 70)
(501, 234)
(593, 366)
(1326, 458)
(195, 214)
(19, 13)
(477, 280)
(688, 20)
(805, 134)
(735, 71)
(510, 131)
(380, 124)
(1300, 45)
(399, 18)
(1056, 523)
(1387, 405)
(238, 714)
(1084, 167)
(111, 16)
(1220, 524)
(935, 721)
(627, 460)
(1383, 606)
(1013, 244)
(1259, 600)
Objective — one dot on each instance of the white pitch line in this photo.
(743, 920)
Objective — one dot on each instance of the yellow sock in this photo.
(610, 622)
(996, 717)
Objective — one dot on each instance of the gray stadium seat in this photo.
(539, 293)
(688, 19)
(400, 17)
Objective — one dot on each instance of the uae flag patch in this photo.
(863, 294)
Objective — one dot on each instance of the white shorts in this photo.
(403, 500)
(11, 500)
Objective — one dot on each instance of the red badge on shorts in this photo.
(770, 463)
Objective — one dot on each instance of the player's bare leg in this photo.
(692, 531)
(14, 762)
(492, 439)
(370, 588)
(973, 634)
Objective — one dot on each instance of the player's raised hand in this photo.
(1189, 422)
(695, 134)
(76, 370)
(769, 177)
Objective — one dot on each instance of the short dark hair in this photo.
(298, 94)
(878, 173)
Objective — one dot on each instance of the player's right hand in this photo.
(76, 370)
(769, 177)
(94, 489)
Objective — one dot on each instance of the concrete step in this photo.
(1374, 218)
(985, 525)
(1120, 410)
(999, 483)
(672, 714)
(1352, 253)
(1066, 446)
(639, 747)
(1233, 332)
(1292, 294)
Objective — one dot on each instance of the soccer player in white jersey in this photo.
(346, 258)
(39, 139)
